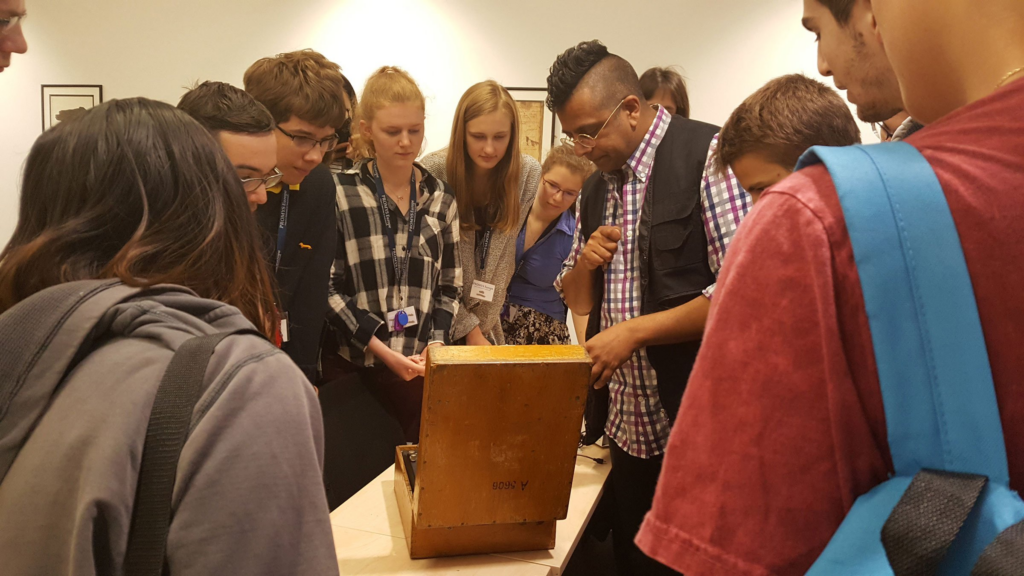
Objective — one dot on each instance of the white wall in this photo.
(154, 48)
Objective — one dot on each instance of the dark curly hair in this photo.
(569, 68)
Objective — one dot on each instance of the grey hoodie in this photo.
(249, 496)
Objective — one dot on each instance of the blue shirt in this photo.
(533, 285)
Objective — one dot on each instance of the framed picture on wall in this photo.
(539, 127)
(62, 102)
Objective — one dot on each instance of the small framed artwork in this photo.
(63, 102)
(539, 127)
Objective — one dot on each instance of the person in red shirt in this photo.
(782, 426)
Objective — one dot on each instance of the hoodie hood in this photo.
(47, 335)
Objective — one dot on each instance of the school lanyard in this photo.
(282, 226)
(485, 247)
(385, 210)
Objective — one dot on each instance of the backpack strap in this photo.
(920, 304)
(169, 421)
(936, 383)
(1005, 556)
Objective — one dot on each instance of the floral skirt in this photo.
(527, 326)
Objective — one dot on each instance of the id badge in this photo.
(399, 320)
(482, 291)
(285, 336)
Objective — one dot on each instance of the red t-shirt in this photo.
(782, 426)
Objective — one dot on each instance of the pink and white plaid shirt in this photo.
(637, 422)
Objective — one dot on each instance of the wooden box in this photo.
(498, 440)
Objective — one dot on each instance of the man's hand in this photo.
(609, 350)
(600, 248)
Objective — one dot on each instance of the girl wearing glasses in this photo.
(396, 280)
(534, 312)
(495, 185)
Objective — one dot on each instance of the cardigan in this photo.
(501, 257)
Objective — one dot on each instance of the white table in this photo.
(369, 539)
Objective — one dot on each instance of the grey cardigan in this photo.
(501, 260)
(248, 496)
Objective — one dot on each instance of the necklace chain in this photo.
(1009, 75)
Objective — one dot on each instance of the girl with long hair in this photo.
(495, 185)
(135, 193)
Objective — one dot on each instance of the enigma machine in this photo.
(498, 440)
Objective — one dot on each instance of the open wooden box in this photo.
(498, 441)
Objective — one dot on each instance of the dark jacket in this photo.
(673, 256)
(305, 271)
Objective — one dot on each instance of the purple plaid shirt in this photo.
(637, 422)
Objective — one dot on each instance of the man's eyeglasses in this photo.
(586, 140)
(10, 23)
(558, 190)
(306, 144)
(253, 184)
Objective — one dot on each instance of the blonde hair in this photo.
(388, 85)
(563, 155)
(503, 207)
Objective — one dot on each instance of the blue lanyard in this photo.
(282, 226)
(485, 247)
(385, 210)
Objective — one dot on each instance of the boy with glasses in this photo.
(303, 92)
(244, 128)
(653, 229)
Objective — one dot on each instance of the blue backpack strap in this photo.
(936, 383)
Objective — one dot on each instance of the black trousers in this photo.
(633, 481)
(402, 399)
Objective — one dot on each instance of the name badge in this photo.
(284, 328)
(399, 320)
(482, 291)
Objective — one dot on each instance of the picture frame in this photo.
(62, 102)
(539, 127)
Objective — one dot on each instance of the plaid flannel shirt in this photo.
(637, 422)
(363, 288)
(724, 203)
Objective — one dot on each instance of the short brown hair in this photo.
(667, 78)
(783, 119)
(563, 155)
(840, 9)
(304, 84)
(221, 107)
